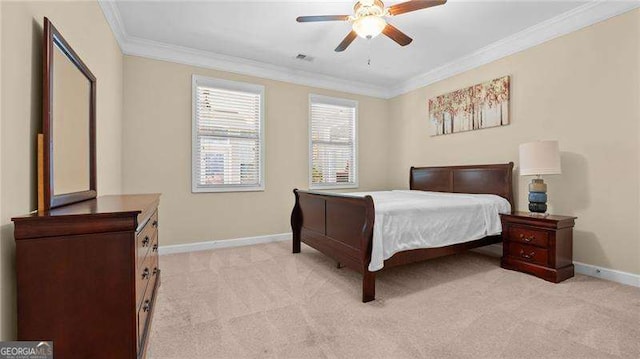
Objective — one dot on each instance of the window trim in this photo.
(233, 86)
(336, 101)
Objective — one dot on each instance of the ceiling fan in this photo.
(368, 20)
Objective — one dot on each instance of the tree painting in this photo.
(480, 106)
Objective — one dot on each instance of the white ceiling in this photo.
(266, 32)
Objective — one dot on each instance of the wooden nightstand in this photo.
(542, 246)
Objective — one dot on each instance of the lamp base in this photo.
(538, 215)
(537, 207)
(537, 196)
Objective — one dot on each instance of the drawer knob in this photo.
(155, 223)
(155, 247)
(527, 256)
(145, 241)
(145, 273)
(155, 270)
(147, 305)
(527, 239)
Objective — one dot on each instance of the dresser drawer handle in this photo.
(145, 241)
(527, 239)
(527, 256)
(155, 247)
(155, 223)
(147, 305)
(155, 270)
(145, 273)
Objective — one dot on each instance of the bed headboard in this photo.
(477, 179)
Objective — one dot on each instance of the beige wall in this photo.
(5, 282)
(638, 109)
(157, 152)
(85, 28)
(581, 89)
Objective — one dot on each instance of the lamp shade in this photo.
(540, 158)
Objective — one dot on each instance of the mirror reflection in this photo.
(71, 95)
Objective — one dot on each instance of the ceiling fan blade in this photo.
(396, 35)
(347, 41)
(322, 18)
(408, 6)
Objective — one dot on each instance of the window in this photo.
(332, 143)
(227, 136)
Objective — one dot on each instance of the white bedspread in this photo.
(407, 220)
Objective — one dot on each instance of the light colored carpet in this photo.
(263, 301)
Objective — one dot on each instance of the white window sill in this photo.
(333, 186)
(227, 189)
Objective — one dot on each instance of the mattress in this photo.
(406, 220)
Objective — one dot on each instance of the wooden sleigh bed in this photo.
(341, 226)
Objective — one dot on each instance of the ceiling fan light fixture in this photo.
(369, 27)
(368, 20)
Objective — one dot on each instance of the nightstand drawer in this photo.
(529, 235)
(527, 253)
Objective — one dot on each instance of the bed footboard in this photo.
(339, 226)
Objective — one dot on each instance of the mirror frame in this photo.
(52, 37)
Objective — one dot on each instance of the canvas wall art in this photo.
(472, 108)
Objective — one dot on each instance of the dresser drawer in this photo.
(154, 245)
(529, 235)
(145, 237)
(144, 311)
(527, 253)
(144, 274)
(143, 314)
(153, 268)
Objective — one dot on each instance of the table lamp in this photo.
(537, 159)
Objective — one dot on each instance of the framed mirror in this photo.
(67, 160)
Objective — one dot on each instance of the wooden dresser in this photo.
(88, 276)
(542, 246)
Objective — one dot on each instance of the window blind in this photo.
(333, 143)
(228, 137)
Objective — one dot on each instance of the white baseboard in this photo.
(492, 250)
(580, 268)
(608, 274)
(226, 243)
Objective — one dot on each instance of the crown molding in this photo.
(565, 23)
(112, 15)
(131, 45)
(189, 56)
(570, 21)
